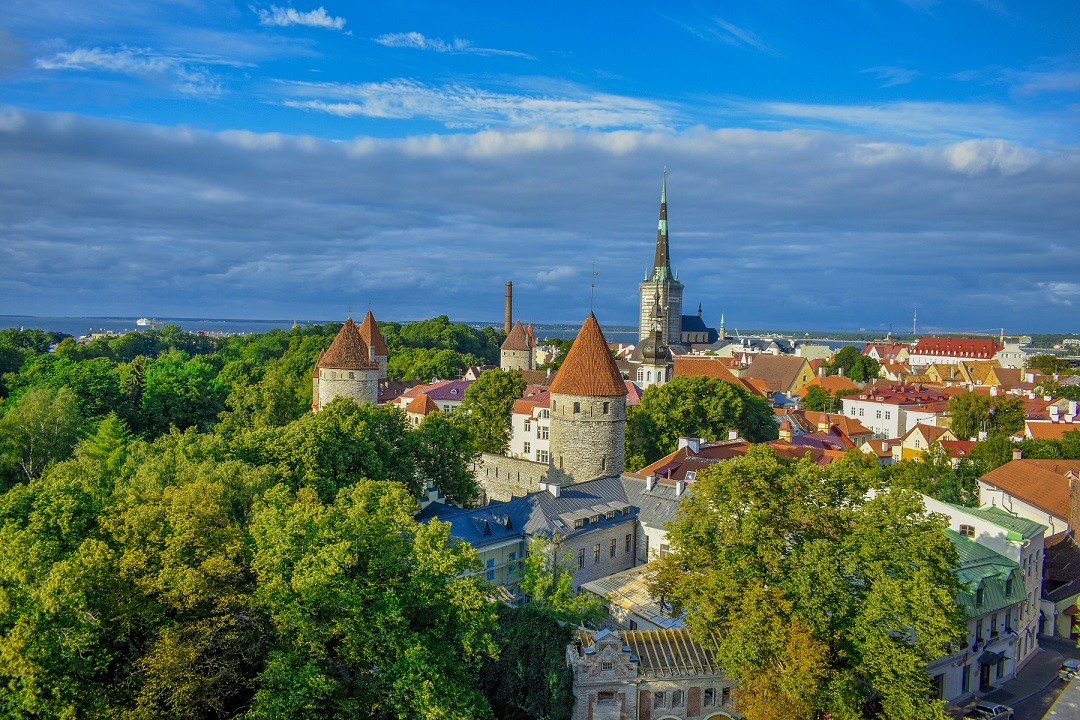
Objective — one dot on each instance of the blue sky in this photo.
(831, 165)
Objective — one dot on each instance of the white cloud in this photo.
(1061, 293)
(891, 76)
(462, 106)
(418, 41)
(188, 76)
(285, 16)
(555, 274)
(978, 156)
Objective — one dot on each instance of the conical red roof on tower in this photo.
(370, 333)
(518, 339)
(347, 352)
(589, 368)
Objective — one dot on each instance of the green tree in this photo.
(487, 407)
(374, 614)
(548, 582)
(843, 361)
(39, 428)
(445, 456)
(864, 368)
(818, 399)
(530, 680)
(693, 406)
(1048, 364)
(973, 413)
(819, 597)
(337, 446)
(180, 391)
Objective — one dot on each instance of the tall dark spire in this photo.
(661, 271)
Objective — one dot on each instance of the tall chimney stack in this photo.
(509, 307)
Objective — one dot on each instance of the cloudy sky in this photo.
(831, 165)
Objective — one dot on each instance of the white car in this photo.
(990, 711)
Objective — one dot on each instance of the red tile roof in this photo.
(831, 383)
(518, 339)
(714, 367)
(975, 348)
(1041, 483)
(372, 336)
(348, 351)
(589, 368)
(422, 405)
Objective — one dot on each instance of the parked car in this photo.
(1069, 669)
(990, 711)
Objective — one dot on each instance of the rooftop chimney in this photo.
(733, 434)
(509, 307)
(1018, 454)
(650, 482)
(680, 486)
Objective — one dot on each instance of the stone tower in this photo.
(376, 343)
(656, 363)
(345, 369)
(516, 352)
(588, 411)
(662, 287)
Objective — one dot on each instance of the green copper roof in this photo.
(981, 567)
(1019, 529)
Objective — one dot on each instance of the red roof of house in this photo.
(975, 348)
(714, 367)
(589, 369)
(831, 383)
(422, 405)
(1041, 483)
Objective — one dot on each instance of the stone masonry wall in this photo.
(516, 359)
(362, 387)
(589, 443)
(501, 477)
(670, 305)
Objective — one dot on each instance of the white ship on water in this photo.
(143, 322)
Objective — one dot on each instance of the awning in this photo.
(991, 658)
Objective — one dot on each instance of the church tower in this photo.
(345, 369)
(376, 343)
(662, 287)
(588, 411)
(656, 363)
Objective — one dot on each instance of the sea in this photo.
(82, 326)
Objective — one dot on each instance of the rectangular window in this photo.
(581, 557)
(528, 425)
(607, 666)
(725, 695)
(607, 407)
(605, 697)
(708, 697)
(629, 542)
(888, 415)
(676, 698)
(596, 553)
(860, 412)
(491, 569)
(544, 433)
(543, 456)
(528, 447)
(659, 700)
(577, 408)
(663, 549)
(878, 414)
(614, 547)
(603, 463)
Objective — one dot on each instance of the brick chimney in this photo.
(785, 430)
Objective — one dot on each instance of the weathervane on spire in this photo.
(592, 287)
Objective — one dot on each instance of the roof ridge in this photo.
(372, 336)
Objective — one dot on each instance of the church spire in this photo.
(661, 271)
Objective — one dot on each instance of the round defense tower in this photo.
(588, 411)
(516, 352)
(345, 369)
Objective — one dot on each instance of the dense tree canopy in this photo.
(695, 406)
(820, 597)
(972, 413)
(487, 406)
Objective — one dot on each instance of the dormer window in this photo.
(967, 531)
(980, 595)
